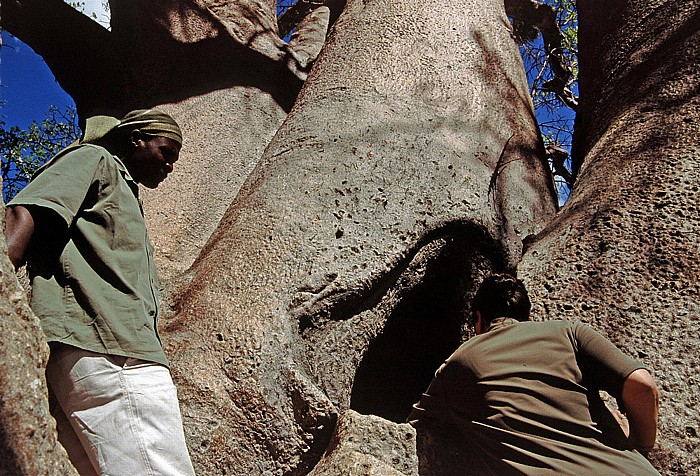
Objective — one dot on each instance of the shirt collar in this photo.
(122, 168)
(127, 176)
(501, 322)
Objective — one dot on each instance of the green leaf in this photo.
(25, 150)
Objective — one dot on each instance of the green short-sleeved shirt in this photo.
(524, 395)
(100, 293)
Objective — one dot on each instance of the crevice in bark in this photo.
(316, 417)
(423, 329)
(338, 303)
(375, 348)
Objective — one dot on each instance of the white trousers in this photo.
(117, 416)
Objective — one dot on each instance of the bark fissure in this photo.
(425, 323)
(335, 303)
(414, 318)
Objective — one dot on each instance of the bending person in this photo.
(525, 398)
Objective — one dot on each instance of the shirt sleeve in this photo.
(604, 366)
(432, 403)
(63, 183)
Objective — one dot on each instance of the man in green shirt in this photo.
(79, 225)
(525, 398)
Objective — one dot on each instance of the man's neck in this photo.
(500, 322)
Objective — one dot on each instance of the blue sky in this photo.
(27, 86)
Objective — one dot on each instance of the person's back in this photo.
(532, 411)
(525, 397)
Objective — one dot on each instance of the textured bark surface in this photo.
(157, 51)
(226, 132)
(409, 166)
(28, 444)
(366, 444)
(623, 254)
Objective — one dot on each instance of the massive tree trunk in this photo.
(409, 167)
(221, 69)
(623, 254)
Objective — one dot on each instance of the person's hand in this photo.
(621, 420)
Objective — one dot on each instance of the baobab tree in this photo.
(341, 195)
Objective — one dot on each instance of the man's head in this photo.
(501, 295)
(151, 158)
(148, 141)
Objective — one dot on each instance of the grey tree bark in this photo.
(404, 149)
(305, 323)
(28, 442)
(622, 254)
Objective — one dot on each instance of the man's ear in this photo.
(136, 136)
(479, 326)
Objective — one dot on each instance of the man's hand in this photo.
(641, 399)
(621, 419)
(19, 228)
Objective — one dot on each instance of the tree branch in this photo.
(530, 14)
(78, 50)
(558, 157)
(157, 52)
(299, 10)
(295, 13)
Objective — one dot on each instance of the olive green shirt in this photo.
(525, 398)
(96, 288)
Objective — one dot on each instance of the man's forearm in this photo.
(19, 229)
(641, 400)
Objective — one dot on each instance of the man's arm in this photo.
(605, 366)
(641, 400)
(432, 403)
(19, 229)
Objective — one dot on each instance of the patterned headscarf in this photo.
(150, 121)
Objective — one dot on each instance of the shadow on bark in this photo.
(426, 326)
(441, 454)
(411, 319)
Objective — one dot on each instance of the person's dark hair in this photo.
(502, 295)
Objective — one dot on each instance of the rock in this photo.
(28, 441)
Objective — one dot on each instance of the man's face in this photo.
(152, 158)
